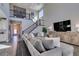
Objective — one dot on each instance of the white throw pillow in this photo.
(40, 34)
(25, 34)
(31, 35)
(56, 41)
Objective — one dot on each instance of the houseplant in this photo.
(44, 30)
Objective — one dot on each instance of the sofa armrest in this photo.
(52, 52)
(31, 48)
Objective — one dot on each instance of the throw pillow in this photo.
(31, 35)
(39, 46)
(37, 43)
(26, 35)
(56, 41)
(48, 44)
(35, 34)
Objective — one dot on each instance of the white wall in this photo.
(56, 12)
(5, 8)
(4, 12)
(4, 28)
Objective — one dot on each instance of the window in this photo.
(41, 13)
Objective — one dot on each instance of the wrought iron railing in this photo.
(31, 28)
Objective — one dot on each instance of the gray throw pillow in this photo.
(39, 46)
(35, 34)
(32, 41)
(48, 44)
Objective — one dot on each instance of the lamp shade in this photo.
(77, 26)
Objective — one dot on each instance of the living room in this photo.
(65, 16)
(58, 23)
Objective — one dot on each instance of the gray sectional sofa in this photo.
(63, 50)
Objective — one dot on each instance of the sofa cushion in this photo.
(67, 49)
(32, 41)
(56, 41)
(48, 44)
(39, 46)
(52, 52)
(37, 43)
(52, 42)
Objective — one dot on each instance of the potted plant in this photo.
(44, 30)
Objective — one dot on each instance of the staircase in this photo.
(31, 28)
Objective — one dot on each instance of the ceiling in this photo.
(31, 6)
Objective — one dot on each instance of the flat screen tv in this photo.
(62, 26)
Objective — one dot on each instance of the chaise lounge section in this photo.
(64, 50)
